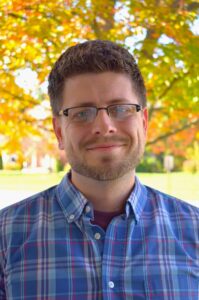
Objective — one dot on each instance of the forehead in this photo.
(103, 88)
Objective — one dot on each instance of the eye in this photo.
(118, 110)
(130, 109)
(81, 114)
(121, 111)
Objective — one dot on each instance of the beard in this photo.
(108, 168)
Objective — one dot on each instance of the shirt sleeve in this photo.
(2, 287)
(2, 277)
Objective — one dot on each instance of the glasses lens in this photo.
(121, 111)
(82, 114)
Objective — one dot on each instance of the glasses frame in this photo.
(64, 112)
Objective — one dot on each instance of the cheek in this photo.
(130, 127)
(73, 139)
(135, 130)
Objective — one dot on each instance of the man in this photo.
(99, 234)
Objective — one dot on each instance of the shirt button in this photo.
(72, 217)
(97, 235)
(88, 209)
(111, 284)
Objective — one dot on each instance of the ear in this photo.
(58, 132)
(145, 120)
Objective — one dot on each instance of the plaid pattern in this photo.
(50, 250)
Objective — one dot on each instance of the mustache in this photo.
(104, 140)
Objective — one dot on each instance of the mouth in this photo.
(104, 147)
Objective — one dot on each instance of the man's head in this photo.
(98, 100)
(95, 56)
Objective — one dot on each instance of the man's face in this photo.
(104, 149)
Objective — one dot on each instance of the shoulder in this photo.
(175, 220)
(29, 206)
(20, 220)
(170, 203)
(172, 212)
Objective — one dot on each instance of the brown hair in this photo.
(94, 56)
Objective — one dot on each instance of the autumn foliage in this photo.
(160, 34)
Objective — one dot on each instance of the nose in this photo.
(103, 125)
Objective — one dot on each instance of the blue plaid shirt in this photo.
(50, 250)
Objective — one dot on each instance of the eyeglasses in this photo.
(87, 114)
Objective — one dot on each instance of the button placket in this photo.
(71, 217)
(97, 236)
(88, 209)
(111, 284)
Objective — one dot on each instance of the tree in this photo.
(159, 33)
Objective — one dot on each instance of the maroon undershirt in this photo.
(102, 219)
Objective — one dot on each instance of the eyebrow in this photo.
(112, 101)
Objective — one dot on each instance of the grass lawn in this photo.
(182, 185)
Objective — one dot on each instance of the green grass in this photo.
(182, 185)
(13, 180)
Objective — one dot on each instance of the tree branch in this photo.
(167, 89)
(153, 109)
(173, 132)
(32, 101)
(193, 6)
(107, 19)
(16, 16)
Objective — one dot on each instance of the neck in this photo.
(105, 196)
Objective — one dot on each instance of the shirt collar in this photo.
(73, 202)
(137, 199)
(70, 199)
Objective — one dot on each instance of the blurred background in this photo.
(163, 37)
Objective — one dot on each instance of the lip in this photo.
(104, 147)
